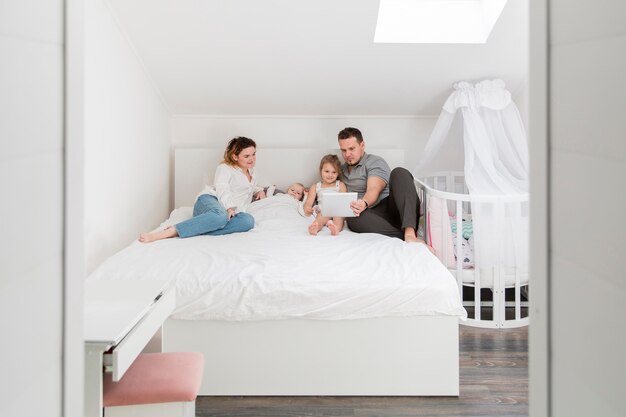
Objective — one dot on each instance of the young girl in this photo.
(330, 167)
(220, 209)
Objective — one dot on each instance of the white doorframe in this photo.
(539, 124)
(74, 265)
(539, 340)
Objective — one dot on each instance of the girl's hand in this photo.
(260, 195)
(231, 213)
(308, 210)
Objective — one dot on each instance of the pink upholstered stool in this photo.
(156, 384)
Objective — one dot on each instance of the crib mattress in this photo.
(468, 276)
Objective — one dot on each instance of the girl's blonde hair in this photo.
(235, 146)
(333, 160)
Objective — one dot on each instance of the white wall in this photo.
(126, 140)
(401, 132)
(588, 169)
(31, 185)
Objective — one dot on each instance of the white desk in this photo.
(120, 319)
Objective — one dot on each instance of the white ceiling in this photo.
(307, 57)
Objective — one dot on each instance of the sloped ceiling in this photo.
(307, 57)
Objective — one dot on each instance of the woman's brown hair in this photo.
(235, 146)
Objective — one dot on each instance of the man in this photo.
(388, 203)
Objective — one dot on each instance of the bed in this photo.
(279, 312)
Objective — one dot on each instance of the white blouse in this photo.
(232, 188)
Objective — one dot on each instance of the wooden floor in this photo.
(494, 382)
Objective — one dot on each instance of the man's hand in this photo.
(375, 186)
(358, 206)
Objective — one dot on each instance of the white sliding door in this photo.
(41, 341)
(578, 331)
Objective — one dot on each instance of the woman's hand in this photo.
(231, 213)
(260, 195)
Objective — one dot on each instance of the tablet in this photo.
(337, 204)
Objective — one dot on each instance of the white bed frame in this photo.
(383, 356)
(380, 356)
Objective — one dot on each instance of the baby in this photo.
(296, 190)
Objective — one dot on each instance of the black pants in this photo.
(401, 209)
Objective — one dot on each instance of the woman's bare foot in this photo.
(334, 230)
(163, 234)
(314, 228)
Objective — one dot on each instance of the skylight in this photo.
(436, 21)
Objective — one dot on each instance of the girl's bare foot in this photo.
(334, 230)
(314, 228)
(163, 234)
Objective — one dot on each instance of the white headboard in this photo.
(194, 167)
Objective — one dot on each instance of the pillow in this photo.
(439, 231)
(466, 252)
(272, 190)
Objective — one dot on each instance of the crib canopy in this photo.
(495, 164)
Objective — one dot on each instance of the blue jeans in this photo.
(210, 218)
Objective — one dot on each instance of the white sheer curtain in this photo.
(496, 169)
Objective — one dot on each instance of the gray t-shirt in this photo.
(369, 165)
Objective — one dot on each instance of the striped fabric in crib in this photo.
(467, 228)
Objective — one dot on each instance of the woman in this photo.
(220, 209)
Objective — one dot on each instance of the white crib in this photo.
(495, 297)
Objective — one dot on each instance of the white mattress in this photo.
(278, 271)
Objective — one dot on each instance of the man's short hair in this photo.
(350, 132)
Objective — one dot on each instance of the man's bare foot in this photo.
(430, 248)
(163, 234)
(334, 229)
(313, 229)
(415, 239)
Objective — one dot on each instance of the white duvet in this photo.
(278, 271)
